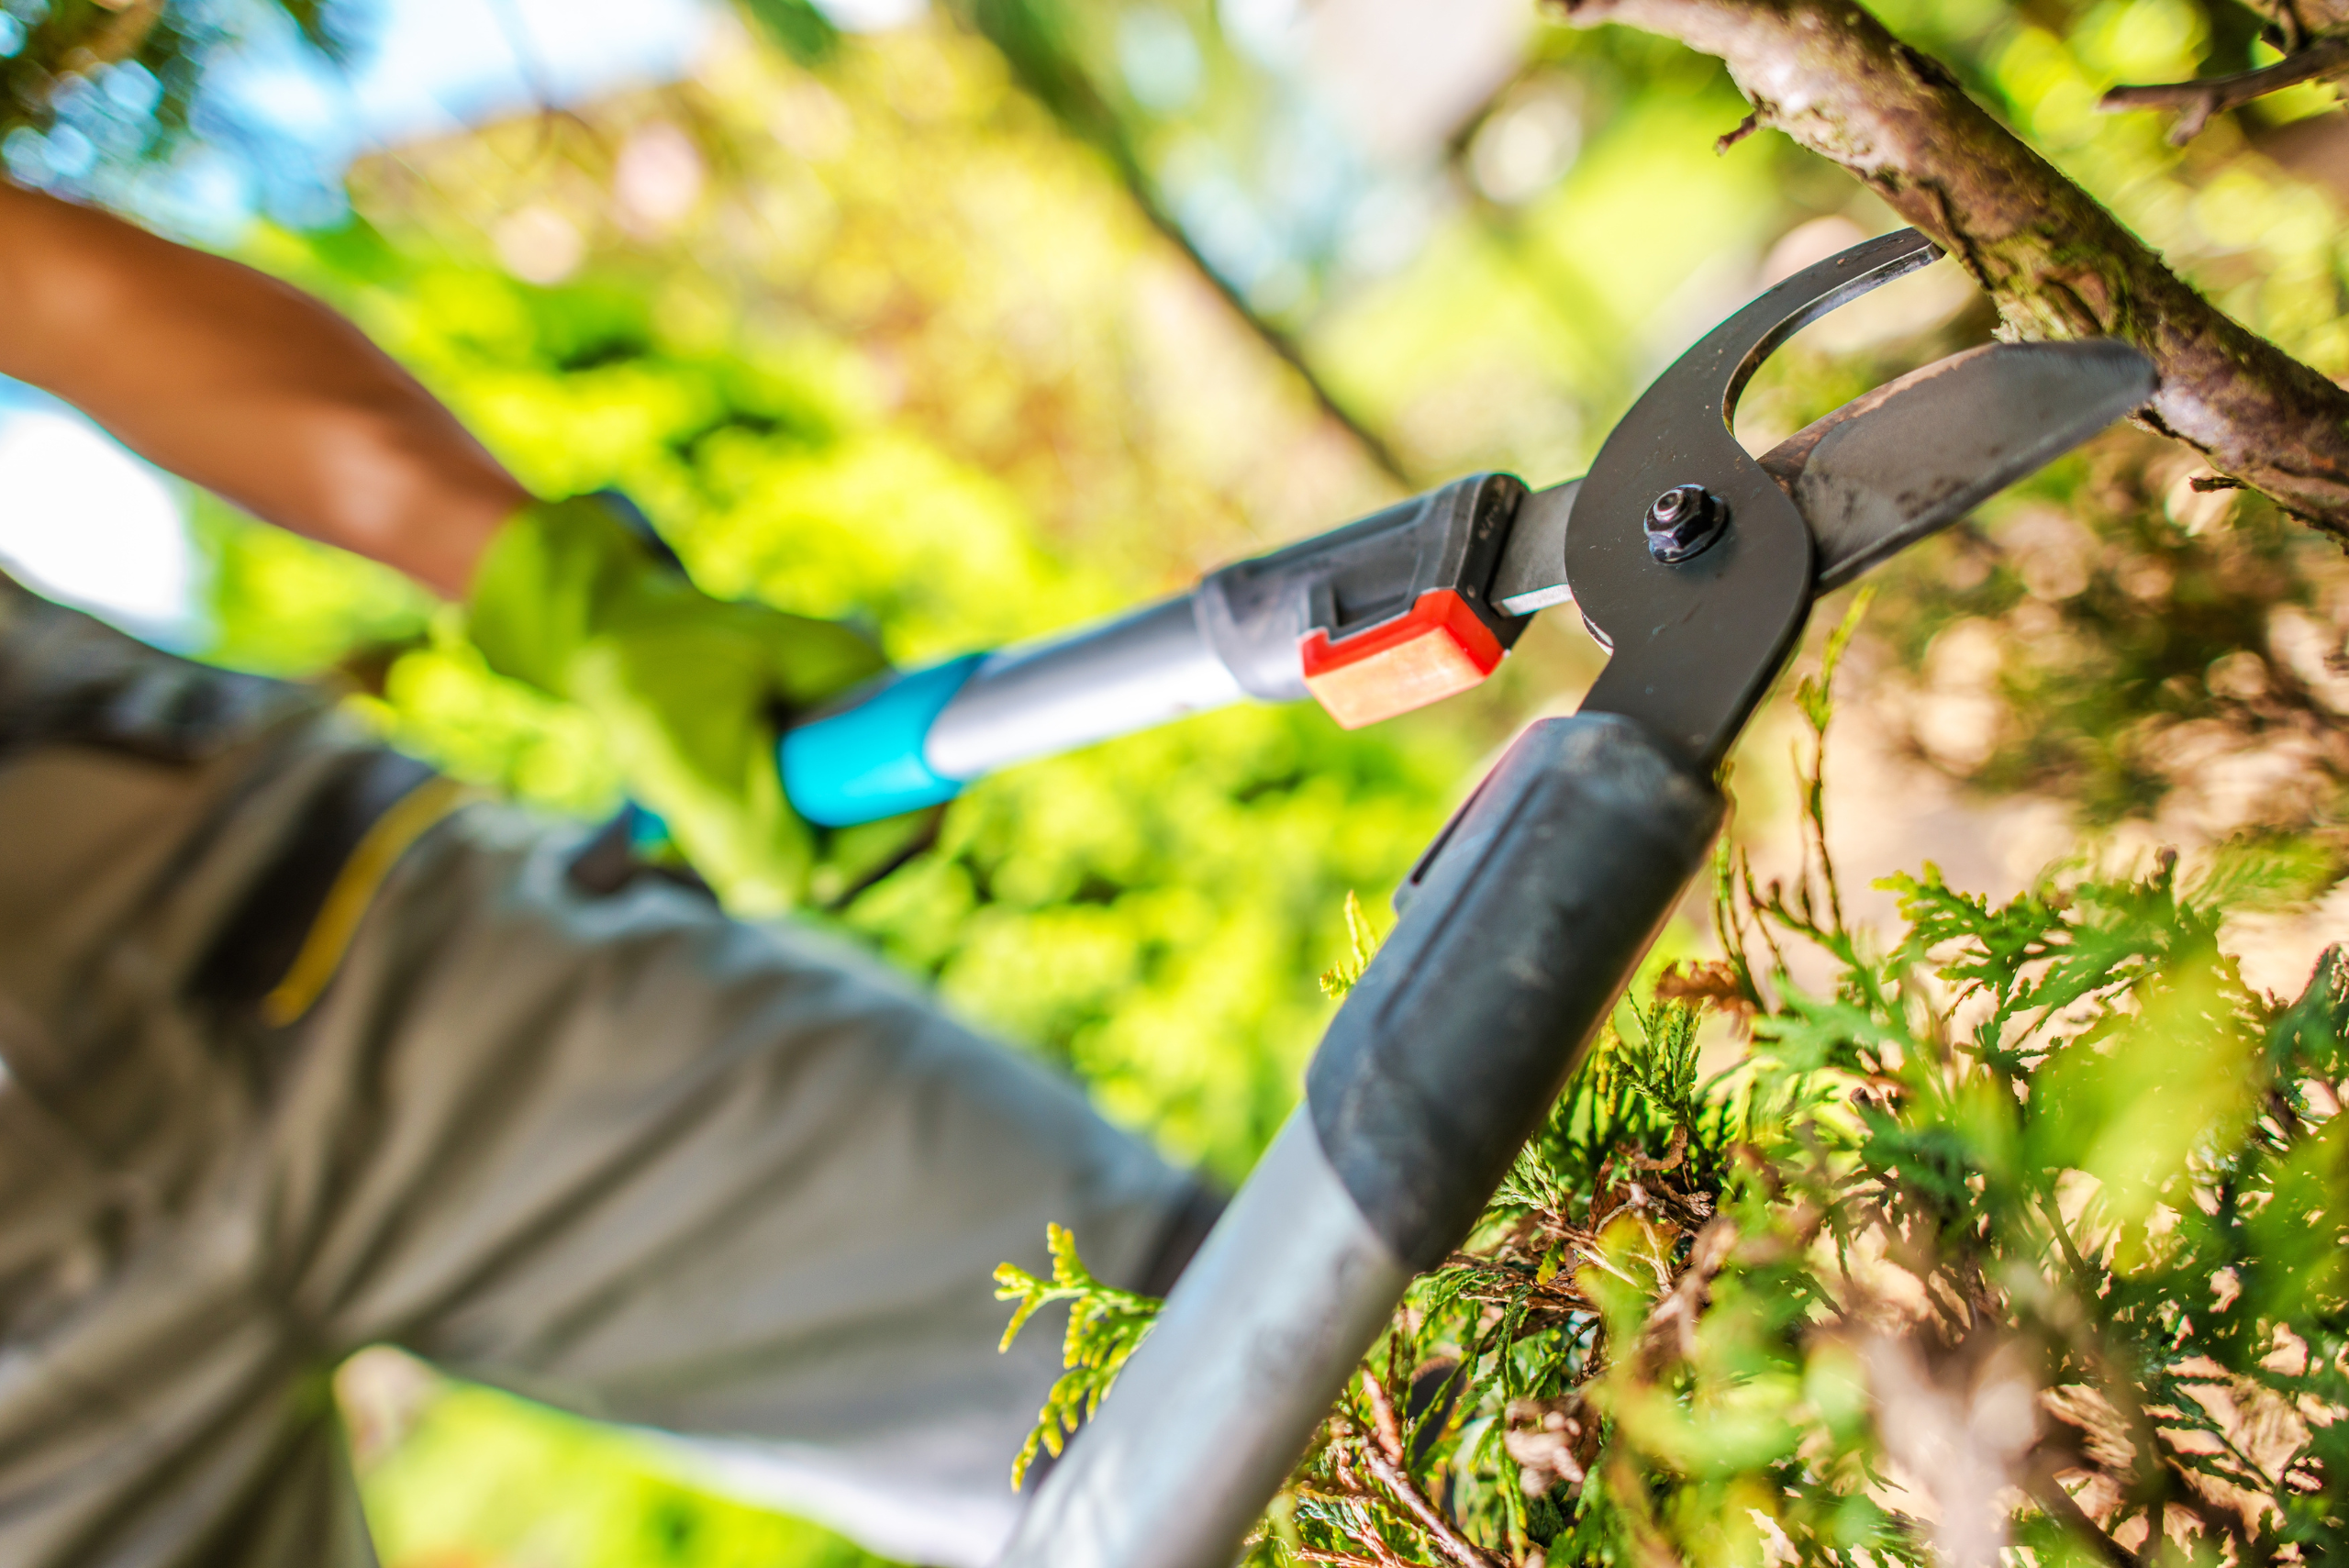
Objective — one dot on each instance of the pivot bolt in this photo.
(1683, 522)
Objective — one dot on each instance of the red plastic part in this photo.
(1432, 651)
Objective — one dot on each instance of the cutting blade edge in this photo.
(1897, 465)
(1916, 454)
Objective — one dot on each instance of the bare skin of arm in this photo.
(246, 386)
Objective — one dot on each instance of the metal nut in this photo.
(1684, 521)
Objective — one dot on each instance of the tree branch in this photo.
(2195, 101)
(1829, 75)
(1025, 33)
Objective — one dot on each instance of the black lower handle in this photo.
(1523, 928)
(1527, 920)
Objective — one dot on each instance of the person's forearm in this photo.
(246, 386)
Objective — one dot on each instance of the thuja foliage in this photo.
(1361, 946)
(2019, 1226)
(1105, 1324)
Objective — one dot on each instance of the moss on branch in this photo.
(1829, 74)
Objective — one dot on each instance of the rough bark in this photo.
(1831, 76)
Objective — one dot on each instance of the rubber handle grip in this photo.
(1520, 930)
(1527, 919)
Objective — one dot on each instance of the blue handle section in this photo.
(866, 762)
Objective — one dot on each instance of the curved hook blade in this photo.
(1894, 465)
(1696, 643)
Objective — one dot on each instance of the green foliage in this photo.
(282, 606)
(1361, 946)
(2036, 1199)
(898, 365)
(446, 1497)
(804, 32)
(1105, 1325)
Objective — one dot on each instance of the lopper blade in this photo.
(1916, 454)
(1898, 464)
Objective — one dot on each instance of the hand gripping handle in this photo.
(1524, 925)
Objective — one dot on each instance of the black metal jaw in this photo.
(1698, 640)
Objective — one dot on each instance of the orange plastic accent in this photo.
(1434, 650)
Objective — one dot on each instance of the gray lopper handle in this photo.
(1146, 667)
(1524, 922)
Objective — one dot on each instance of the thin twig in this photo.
(527, 60)
(1385, 1427)
(1453, 1544)
(2195, 101)
(1384, 1454)
(1284, 347)
(1369, 1533)
(1062, 87)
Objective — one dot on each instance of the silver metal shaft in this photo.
(1148, 667)
(1213, 1410)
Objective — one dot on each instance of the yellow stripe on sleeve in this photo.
(354, 888)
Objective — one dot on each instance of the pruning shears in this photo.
(1696, 565)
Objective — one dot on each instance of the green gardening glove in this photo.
(575, 600)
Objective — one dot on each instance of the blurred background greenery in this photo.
(973, 319)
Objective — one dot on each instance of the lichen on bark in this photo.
(1834, 79)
